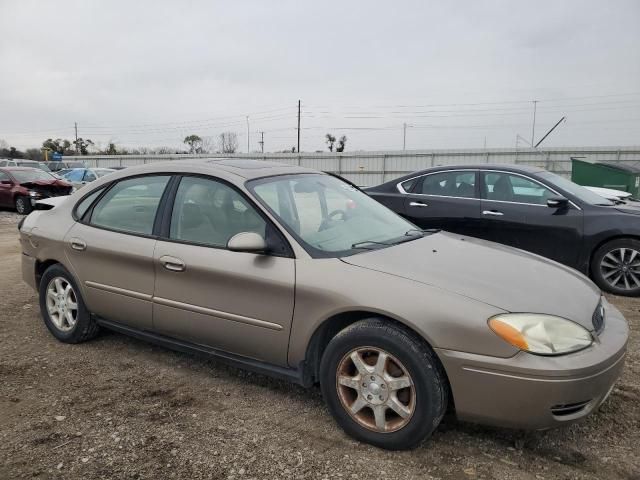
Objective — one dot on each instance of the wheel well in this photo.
(330, 327)
(41, 267)
(607, 240)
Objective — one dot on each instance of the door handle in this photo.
(418, 204)
(78, 244)
(495, 213)
(173, 264)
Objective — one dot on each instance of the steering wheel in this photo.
(342, 213)
(327, 221)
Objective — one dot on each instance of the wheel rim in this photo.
(620, 268)
(20, 206)
(62, 304)
(375, 389)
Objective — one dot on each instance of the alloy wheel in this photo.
(376, 389)
(21, 206)
(620, 268)
(62, 304)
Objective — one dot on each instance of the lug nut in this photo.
(369, 397)
(383, 386)
(364, 385)
(373, 378)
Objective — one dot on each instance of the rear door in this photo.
(447, 199)
(515, 212)
(237, 302)
(111, 250)
(5, 189)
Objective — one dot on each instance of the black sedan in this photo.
(527, 208)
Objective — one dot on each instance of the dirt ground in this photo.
(119, 408)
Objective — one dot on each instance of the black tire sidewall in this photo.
(599, 255)
(421, 365)
(27, 206)
(84, 320)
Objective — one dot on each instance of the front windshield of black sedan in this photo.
(583, 194)
(329, 217)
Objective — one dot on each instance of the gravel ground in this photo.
(120, 408)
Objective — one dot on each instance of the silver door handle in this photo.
(172, 263)
(78, 244)
(495, 213)
(418, 204)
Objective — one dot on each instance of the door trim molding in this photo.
(118, 290)
(216, 313)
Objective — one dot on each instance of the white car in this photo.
(611, 194)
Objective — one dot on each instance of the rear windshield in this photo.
(33, 175)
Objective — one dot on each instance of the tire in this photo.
(424, 401)
(23, 205)
(615, 267)
(77, 328)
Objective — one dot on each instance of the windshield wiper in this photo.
(369, 242)
(422, 230)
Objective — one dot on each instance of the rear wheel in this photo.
(616, 267)
(23, 205)
(383, 385)
(63, 308)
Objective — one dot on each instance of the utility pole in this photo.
(247, 133)
(76, 128)
(533, 126)
(261, 142)
(404, 136)
(298, 126)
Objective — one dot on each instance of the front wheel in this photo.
(383, 385)
(23, 205)
(616, 267)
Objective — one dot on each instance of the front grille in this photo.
(568, 408)
(598, 318)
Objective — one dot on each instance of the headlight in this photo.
(540, 333)
(35, 194)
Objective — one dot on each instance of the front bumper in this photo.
(537, 392)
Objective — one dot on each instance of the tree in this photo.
(111, 149)
(34, 154)
(228, 142)
(341, 144)
(194, 142)
(83, 145)
(330, 141)
(57, 146)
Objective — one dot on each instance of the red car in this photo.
(21, 187)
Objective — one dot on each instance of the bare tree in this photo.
(341, 144)
(228, 142)
(209, 145)
(330, 141)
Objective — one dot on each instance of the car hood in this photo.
(47, 183)
(505, 277)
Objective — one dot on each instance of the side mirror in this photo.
(247, 242)
(6, 182)
(557, 202)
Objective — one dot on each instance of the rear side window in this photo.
(75, 175)
(449, 184)
(85, 203)
(130, 205)
(89, 176)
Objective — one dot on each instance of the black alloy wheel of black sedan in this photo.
(528, 208)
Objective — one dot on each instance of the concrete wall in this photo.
(372, 168)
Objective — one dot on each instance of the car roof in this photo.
(20, 169)
(246, 169)
(510, 167)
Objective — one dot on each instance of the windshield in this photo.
(32, 175)
(574, 189)
(329, 217)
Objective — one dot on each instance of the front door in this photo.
(111, 250)
(447, 200)
(237, 302)
(515, 212)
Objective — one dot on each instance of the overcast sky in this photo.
(459, 73)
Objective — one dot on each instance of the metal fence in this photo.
(372, 168)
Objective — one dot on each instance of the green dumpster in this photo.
(606, 175)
